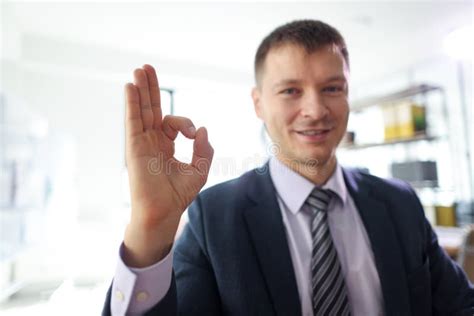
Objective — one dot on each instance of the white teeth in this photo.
(309, 133)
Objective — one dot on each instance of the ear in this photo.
(256, 102)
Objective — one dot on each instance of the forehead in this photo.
(294, 62)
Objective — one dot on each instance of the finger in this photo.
(133, 118)
(154, 88)
(174, 124)
(141, 81)
(202, 152)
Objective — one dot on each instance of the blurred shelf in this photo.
(425, 184)
(449, 191)
(360, 105)
(392, 142)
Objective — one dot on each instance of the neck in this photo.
(316, 173)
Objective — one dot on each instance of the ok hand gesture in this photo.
(161, 187)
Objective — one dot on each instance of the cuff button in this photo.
(119, 295)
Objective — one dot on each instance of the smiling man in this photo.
(300, 236)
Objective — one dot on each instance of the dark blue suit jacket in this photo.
(233, 257)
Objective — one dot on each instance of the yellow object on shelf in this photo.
(445, 215)
(390, 122)
(411, 119)
(403, 120)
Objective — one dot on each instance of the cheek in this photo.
(289, 113)
(281, 117)
(339, 101)
(341, 111)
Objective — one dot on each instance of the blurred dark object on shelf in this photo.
(418, 173)
(465, 212)
(349, 138)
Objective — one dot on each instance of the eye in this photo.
(333, 89)
(290, 91)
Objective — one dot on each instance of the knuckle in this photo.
(186, 121)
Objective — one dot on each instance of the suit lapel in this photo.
(385, 246)
(267, 233)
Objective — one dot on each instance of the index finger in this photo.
(154, 95)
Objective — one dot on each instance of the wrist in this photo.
(145, 246)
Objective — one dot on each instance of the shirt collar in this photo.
(294, 189)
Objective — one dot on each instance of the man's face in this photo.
(303, 101)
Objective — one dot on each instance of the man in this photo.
(299, 236)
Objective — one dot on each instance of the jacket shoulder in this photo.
(234, 190)
(397, 194)
(224, 200)
(379, 185)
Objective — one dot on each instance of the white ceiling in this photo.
(382, 36)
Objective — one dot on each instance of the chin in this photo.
(311, 158)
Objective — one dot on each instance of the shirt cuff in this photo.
(136, 290)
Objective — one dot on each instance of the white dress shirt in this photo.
(347, 231)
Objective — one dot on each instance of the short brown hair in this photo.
(309, 34)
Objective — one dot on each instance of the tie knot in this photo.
(319, 199)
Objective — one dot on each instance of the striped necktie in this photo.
(329, 296)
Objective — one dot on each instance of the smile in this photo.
(314, 135)
(313, 132)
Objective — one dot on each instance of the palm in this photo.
(161, 186)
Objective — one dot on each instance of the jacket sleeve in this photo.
(196, 284)
(452, 292)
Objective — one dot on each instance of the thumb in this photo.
(202, 152)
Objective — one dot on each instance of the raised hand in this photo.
(161, 187)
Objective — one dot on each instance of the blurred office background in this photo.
(64, 200)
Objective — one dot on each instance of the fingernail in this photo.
(192, 129)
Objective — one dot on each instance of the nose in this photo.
(313, 106)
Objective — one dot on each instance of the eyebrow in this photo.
(286, 82)
(336, 78)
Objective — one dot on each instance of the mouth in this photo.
(313, 135)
